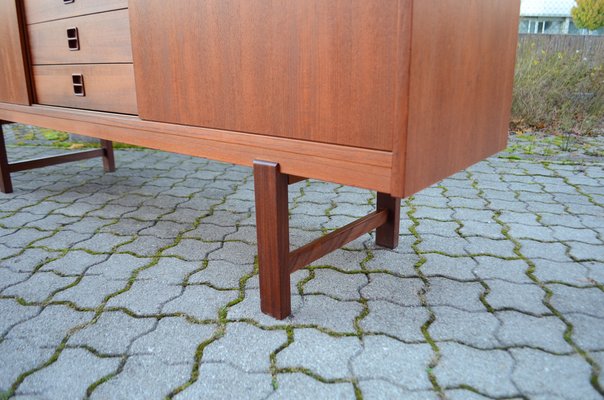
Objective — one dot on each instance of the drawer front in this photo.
(108, 87)
(96, 38)
(49, 10)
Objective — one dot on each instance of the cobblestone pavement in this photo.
(142, 284)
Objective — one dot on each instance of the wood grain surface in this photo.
(103, 38)
(49, 10)
(108, 87)
(272, 230)
(324, 71)
(462, 73)
(13, 71)
(351, 166)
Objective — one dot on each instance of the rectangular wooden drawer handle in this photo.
(73, 39)
(78, 85)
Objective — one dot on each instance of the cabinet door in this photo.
(13, 76)
(325, 71)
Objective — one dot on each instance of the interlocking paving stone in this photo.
(14, 313)
(313, 309)
(191, 249)
(519, 329)
(345, 260)
(91, 291)
(585, 251)
(112, 333)
(69, 376)
(126, 226)
(325, 356)
(52, 222)
(473, 328)
(396, 290)
(9, 278)
(488, 229)
(18, 356)
(401, 264)
(74, 263)
(587, 301)
(485, 246)
(235, 252)
(596, 271)
(24, 237)
(450, 267)
(170, 271)
(567, 376)
(111, 211)
(488, 371)
(144, 297)
(140, 379)
(251, 355)
(146, 246)
(461, 394)
(380, 389)
(28, 261)
(211, 232)
(103, 242)
(569, 272)
(337, 284)
(522, 231)
(201, 302)
(588, 332)
(222, 274)
(173, 341)
(118, 266)
(64, 239)
(50, 326)
(455, 246)
(297, 386)
(77, 209)
(38, 287)
(387, 304)
(404, 323)
(526, 297)
(390, 360)
(507, 270)
(217, 380)
(547, 251)
(573, 234)
(462, 295)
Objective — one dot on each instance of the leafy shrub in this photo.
(557, 92)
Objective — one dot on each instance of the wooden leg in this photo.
(387, 234)
(108, 158)
(6, 184)
(272, 229)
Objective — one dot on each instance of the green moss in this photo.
(55, 136)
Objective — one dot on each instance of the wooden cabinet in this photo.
(323, 71)
(81, 54)
(388, 95)
(14, 86)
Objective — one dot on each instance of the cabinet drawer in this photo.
(49, 10)
(96, 38)
(108, 87)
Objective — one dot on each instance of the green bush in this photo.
(557, 92)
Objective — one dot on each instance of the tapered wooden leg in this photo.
(6, 185)
(272, 229)
(387, 234)
(108, 158)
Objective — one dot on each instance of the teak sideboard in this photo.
(387, 95)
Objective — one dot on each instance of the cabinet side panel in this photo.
(317, 70)
(13, 75)
(462, 71)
